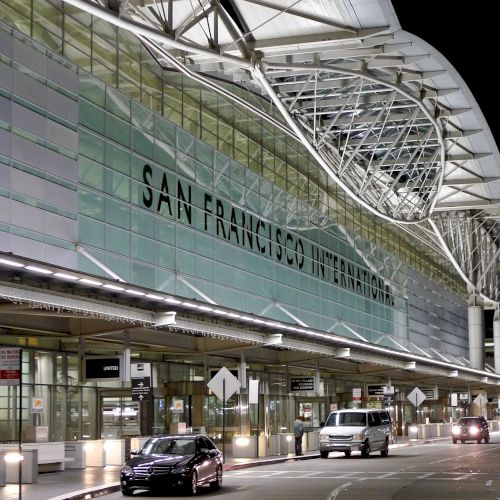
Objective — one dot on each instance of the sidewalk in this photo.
(92, 482)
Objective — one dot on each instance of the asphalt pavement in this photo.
(92, 482)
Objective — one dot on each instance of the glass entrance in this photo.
(119, 417)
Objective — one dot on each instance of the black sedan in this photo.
(180, 461)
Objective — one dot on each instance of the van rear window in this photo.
(346, 419)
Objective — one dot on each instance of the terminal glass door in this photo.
(119, 417)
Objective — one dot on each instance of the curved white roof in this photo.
(383, 112)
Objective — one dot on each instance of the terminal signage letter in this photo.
(140, 377)
(99, 368)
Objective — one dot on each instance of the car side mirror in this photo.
(322, 424)
(134, 452)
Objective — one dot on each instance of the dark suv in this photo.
(471, 429)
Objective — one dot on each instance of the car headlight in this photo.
(473, 430)
(323, 438)
(358, 437)
(126, 469)
(455, 429)
(180, 470)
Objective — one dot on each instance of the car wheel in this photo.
(126, 492)
(479, 440)
(324, 454)
(454, 441)
(193, 489)
(462, 441)
(365, 452)
(347, 453)
(217, 483)
(385, 450)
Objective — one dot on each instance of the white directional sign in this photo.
(140, 377)
(224, 384)
(480, 400)
(416, 397)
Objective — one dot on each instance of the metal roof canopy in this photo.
(52, 303)
(381, 111)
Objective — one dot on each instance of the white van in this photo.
(361, 430)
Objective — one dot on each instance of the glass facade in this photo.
(159, 178)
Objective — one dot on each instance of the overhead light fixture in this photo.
(172, 300)
(153, 296)
(134, 292)
(220, 311)
(12, 263)
(114, 287)
(66, 276)
(40, 270)
(91, 282)
(206, 308)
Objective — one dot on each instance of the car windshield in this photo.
(346, 419)
(169, 446)
(468, 421)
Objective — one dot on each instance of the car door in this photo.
(378, 436)
(207, 465)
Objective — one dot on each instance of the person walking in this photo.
(298, 432)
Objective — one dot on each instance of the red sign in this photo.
(10, 366)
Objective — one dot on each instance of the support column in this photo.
(496, 339)
(476, 332)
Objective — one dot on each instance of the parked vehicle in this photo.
(175, 461)
(471, 429)
(361, 430)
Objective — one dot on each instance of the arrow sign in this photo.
(140, 377)
(224, 384)
(480, 400)
(416, 397)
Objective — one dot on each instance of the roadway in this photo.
(437, 470)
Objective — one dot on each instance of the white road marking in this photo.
(336, 491)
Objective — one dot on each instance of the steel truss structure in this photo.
(381, 111)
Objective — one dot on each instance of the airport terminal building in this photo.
(152, 218)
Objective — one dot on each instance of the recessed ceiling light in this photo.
(40, 270)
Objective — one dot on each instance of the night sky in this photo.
(467, 34)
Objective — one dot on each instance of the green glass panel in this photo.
(165, 131)
(118, 130)
(143, 249)
(142, 222)
(117, 240)
(143, 275)
(142, 143)
(185, 262)
(92, 116)
(142, 118)
(91, 232)
(118, 104)
(117, 185)
(91, 146)
(117, 158)
(204, 268)
(92, 89)
(119, 265)
(117, 213)
(165, 155)
(91, 173)
(91, 204)
(164, 255)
